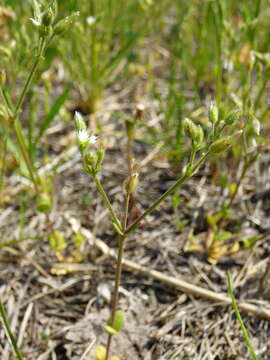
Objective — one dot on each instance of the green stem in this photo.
(239, 319)
(167, 193)
(106, 200)
(23, 147)
(29, 80)
(9, 332)
(15, 121)
(118, 273)
(147, 212)
(3, 169)
(116, 289)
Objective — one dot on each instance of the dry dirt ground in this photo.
(57, 306)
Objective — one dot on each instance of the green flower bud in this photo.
(197, 141)
(190, 128)
(44, 202)
(48, 17)
(79, 122)
(90, 159)
(132, 183)
(232, 117)
(213, 113)
(64, 24)
(194, 132)
(220, 145)
(45, 31)
(100, 157)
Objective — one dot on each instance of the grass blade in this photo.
(9, 332)
(54, 111)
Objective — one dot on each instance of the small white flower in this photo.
(228, 65)
(35, 22)
(253, 145)
(90, 20)
(93, 139)
(256, 126)
(83, 136)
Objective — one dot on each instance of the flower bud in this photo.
(194, 132)
(100, 156)
(45, 31)
(220, 145)
(90, 159)
(213, 113)
(132, 183)
(232, 117)
(197, 141)
(256, 126)
(48, 17)
(190, 128)
(2, 77)
(79, 122)
(44, 202)
(64, 24)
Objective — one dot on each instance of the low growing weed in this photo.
(92, 159)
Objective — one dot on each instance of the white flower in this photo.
(256, 126)
(90, 20)
(93, 139)
(83, 136)
(35, 22)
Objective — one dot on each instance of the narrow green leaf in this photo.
(54, 111)
(110, 330)
(239, 319)
(9, 332)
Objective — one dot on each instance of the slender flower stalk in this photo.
(106, 200)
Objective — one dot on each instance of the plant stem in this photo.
(116, 289)
(118, 273)
(2, 171)
(239, 319)
(23, 148)
(9, 332)
(136, 223)
(16, 126)
(170, 191)
(29, 80)
(121, 248)
(106, 200)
